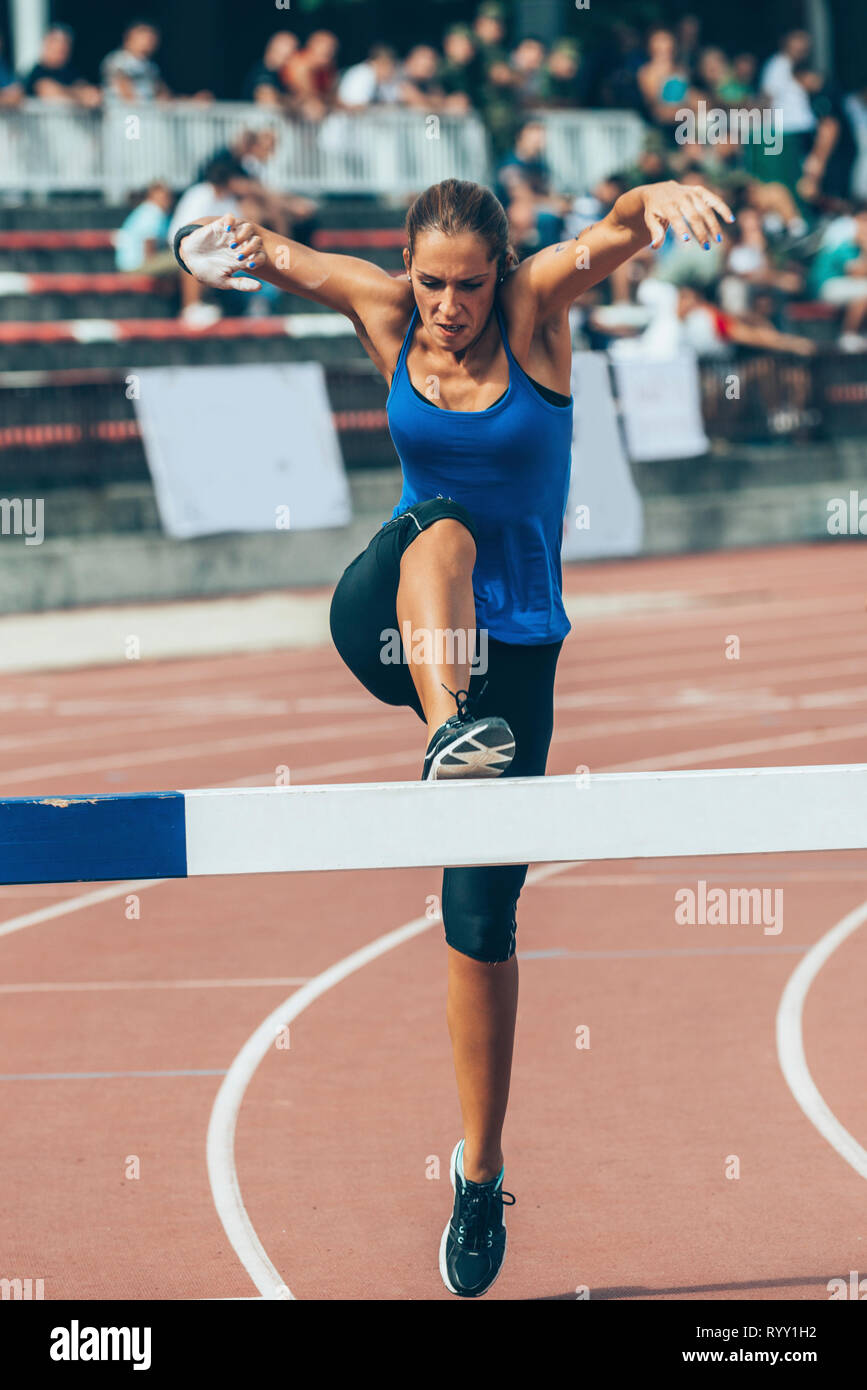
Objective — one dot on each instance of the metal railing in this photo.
(77, 428)
(46, 148)
(582, 147)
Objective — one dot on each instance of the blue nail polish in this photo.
(732, 218)
(707, 246)
(241, 256)
(718, 237)
(228, 228)
(686, 236)
(234, 244)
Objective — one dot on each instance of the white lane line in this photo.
(809, 738)
(92, 986)
(107, 1075)
(790, 1042)
(222, 1172)
(768, 871)
(99, 895)
(661, 952)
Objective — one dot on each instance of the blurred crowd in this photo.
(798, 187)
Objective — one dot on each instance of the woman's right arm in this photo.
(221, 247)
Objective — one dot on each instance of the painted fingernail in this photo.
(686, 236)
(228, 227)
(718, 237)
(707, 246)
(241, 256)
(252, 265)
(732, 218)
(233, 245)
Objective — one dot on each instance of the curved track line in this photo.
(790, 1042)
(222, 1172)
(221, 1128)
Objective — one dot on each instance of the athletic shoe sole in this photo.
(445, 1236)
(484, 751)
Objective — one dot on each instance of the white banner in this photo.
(604, 515)
(660, 403)
(250, 447)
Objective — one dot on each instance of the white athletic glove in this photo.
(216, 252)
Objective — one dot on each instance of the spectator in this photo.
(749, 267)
(528, 65)
(11, 91)
(711, 332)
(740, 85)
(827, 168)
(593, 206)
(498, 107)
(311, 75)
(687, 33)
(562, 80)
(213, 196)
(786, 94)
(618, 82)
(246, 158)
(652, 164)
(713, 74)
(419, 81)
(838, 273)
(373, 82)
(460, 73)
(264, 82)
(140, 243)
(489, 31)
(533, 222)
(663, 81)
(856, 109)
(525, 164)
(129, 73)
(55, 78)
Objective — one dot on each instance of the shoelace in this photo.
(463, 700)
(474, 1231)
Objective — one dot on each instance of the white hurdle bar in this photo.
(391, 825)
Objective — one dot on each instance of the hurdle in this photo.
(394, 825)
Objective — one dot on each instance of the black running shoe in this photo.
(468, 747)
(473, 1246)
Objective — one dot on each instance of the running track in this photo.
(117, 1033)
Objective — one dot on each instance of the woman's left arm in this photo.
(557, 275)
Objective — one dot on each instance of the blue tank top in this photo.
(509, 466)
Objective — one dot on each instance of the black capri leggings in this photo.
(478, 902)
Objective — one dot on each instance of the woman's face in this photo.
(454, 281)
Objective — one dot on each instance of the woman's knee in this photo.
(479, 910)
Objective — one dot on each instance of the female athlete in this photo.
(477, 354)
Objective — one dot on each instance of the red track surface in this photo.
(616, 1153)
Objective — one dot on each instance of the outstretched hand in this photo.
(215, 253)
(689, 209)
